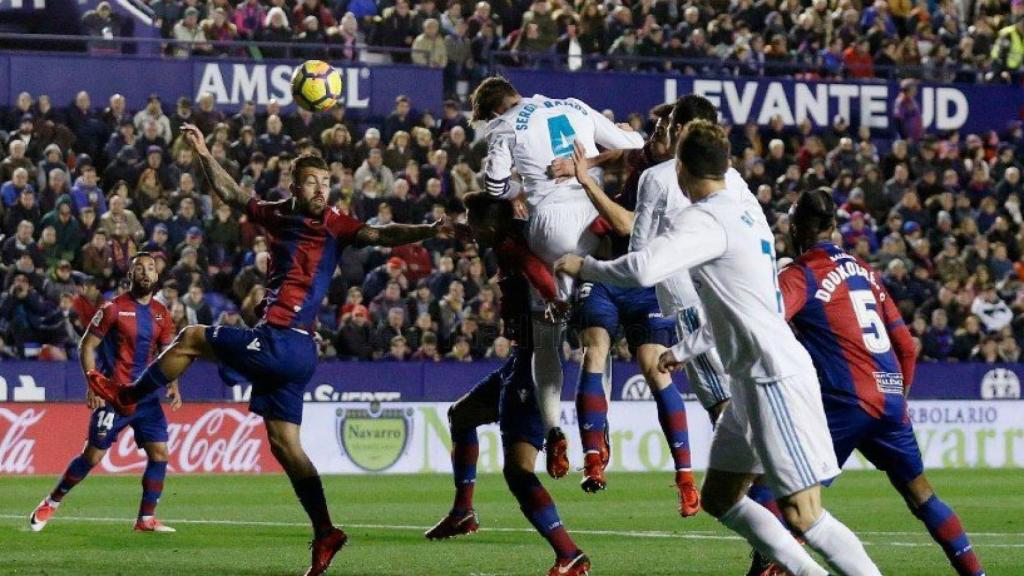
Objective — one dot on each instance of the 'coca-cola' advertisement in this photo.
(203, 438)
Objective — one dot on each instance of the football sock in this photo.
(152, 487)
(311, 494)
(839, 547)
(77, 470)
(151, 379)
(764, 496)
(944, 526)
(591, 410)
(547, 372)
(770, 538)
(539, 509)
(672, 416)
(465, 451)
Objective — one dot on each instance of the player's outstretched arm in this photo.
(620, 218)
(224, 186)
(399, 234)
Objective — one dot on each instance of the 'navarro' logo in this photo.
(374, 438)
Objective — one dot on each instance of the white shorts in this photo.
(705, 373)
(557, 229)
(777, 429)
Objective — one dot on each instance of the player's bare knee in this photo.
(647, 356)
(917, 491)
(800, 510)
(93, 455)
(156, 452)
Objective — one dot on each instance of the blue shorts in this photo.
(636, 310)
(148, 422)
(507, 395)
(890, 446)
(279, 362)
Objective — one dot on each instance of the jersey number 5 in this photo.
(562, 135)
(866, 307)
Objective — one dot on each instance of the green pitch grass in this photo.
(254, 525)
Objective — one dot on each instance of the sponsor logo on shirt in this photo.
(889, 382)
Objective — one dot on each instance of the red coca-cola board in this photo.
(40, 438)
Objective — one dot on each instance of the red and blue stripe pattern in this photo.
(822, 298)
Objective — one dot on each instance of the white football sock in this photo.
(607, 378)
(547, 372)
(764, 532)
(839, 547)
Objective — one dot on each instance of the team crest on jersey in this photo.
(374, 438)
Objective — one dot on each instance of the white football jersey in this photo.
(727, 245)
(659, 203)
(536, 131)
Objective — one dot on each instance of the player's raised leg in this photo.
(77, 470)
(190, 345)
(479, 406)
(672, 417)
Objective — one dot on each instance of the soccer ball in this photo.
(316, 85)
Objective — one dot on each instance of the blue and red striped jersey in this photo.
(844, 317)
(303, 255)
(518, 269)
(132, 334)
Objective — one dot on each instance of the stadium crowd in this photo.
(937, 40)
(87, 186)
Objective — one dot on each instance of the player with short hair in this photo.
(865, 356)
(279, 354)
(648, 315)
(774, 424)
(125, 334)
(507, 395)
(526, 134)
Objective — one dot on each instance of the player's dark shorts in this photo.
(890, 446)
(635, 310)
(279, 362)
(507, 396)
(148, 422)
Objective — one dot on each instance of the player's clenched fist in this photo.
(194, 136)
(570, 264)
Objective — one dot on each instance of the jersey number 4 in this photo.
(562, 135)
(873, 329)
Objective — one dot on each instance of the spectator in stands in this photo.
(429, 48)
(102, 22)
(251, 275)
(24, 210)
(274, 141)
(312, 40)
(353, 338)
(398, 350)
(402, 118)
(390, 298)
(461, 350)
(248, 18)
(217, 28)
(373, 179)
(378, 279)
(306, 8)
(393, 326)
(993, 312)
(15, 160)
(275, 29)
(26, 317)
(154, 113)
(196, 308)
(398, 30)
(190, 36)
(12, 189)
(427, 350)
